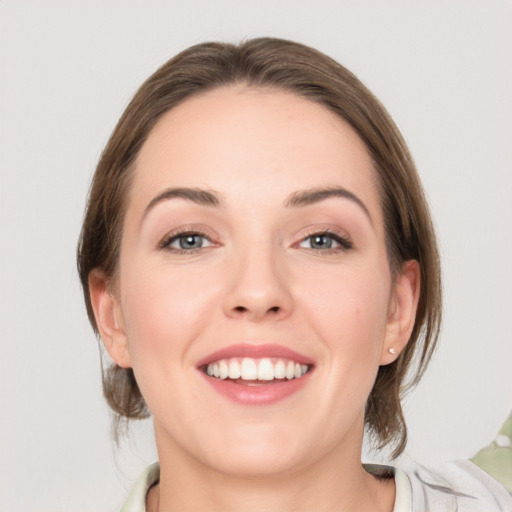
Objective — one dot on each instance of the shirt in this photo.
(458, 486)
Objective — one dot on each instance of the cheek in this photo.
(165, 310)
(349, 309)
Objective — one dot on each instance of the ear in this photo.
(107, 312)
(402, 311)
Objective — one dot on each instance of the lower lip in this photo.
(260, 394)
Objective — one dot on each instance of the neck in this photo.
(335, 482)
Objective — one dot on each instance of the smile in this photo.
(252, 369)
(249, 374)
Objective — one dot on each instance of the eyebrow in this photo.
(315, 195)
(297, 199)
(196, 195)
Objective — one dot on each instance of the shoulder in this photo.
(136, 501)
(455, 486)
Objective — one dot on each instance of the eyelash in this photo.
(345, 244)
(165, 244)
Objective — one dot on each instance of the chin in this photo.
(268, 465)
(259, 453)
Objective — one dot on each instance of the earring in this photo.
(392, 350)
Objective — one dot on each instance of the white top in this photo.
(457, 486)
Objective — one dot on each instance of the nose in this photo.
(259, 288)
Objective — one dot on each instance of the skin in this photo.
(257, 279)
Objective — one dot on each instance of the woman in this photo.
(258, 258)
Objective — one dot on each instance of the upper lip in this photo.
(256, 352)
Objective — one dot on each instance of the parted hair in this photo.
(286, 66)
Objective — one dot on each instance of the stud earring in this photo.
(392, 350)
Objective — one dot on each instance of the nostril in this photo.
(243, 309)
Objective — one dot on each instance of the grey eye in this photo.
(186, 242)
(323, 241)
(192, 241)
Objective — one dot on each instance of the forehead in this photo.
(257, 142)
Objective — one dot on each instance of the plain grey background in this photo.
(443, 70)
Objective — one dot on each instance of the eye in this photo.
(326, 241)
(186, 242)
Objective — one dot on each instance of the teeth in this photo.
(249, 369)
(234, 369)
(280, 370)
(265, 370)
(223, 369)
(290, 370)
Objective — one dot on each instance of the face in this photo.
(254, 298)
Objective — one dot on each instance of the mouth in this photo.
(253, 372)
(256, 374)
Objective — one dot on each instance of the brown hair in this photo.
(288, 66)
